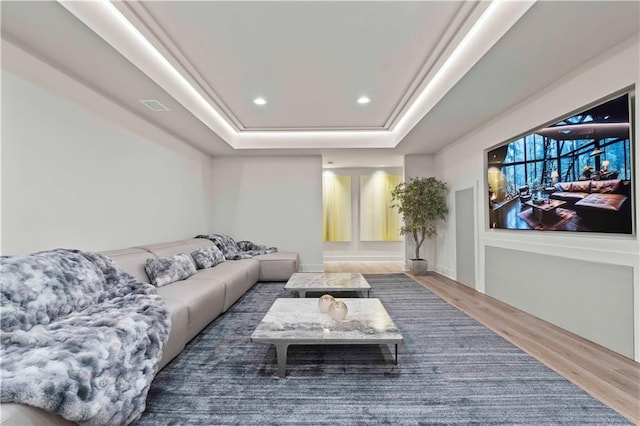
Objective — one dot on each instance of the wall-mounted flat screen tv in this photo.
(573, 175)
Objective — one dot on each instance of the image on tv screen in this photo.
(573, 175)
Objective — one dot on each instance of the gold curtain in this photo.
(378, 221)
(336, 207)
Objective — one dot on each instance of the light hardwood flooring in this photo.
(364, 267)
(604, 374)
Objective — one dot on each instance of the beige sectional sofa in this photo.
(193, 302)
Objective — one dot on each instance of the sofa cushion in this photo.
(570, 197)
(581, 186)
(132, 261)
(602, 202)
(204, 299)
(169, 249)
(236, 276)
(198, 243)
(167, 270)
(179, 313)
(208, 257)
(563, 186)
(613, 186)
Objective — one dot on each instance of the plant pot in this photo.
(418, 266)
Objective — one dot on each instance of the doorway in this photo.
(465, 238)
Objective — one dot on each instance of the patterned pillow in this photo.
(167, 270)
(208, 257)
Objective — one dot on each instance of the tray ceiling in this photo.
(309, 61)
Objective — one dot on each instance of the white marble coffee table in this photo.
(302, 282)
(296, 321)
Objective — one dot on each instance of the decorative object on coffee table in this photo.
(422, 203)
(324, 302)
(338, 310)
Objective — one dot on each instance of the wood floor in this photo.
(604, 374)
(364, 267)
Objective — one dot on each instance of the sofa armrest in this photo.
(278, 266)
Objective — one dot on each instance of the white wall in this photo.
(271, 200)
(356, 250)
(465, 168)
(70, 178)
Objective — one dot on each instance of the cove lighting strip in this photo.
(106, 21)
(499, 17)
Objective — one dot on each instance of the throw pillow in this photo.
(167, 270)
(208, 257)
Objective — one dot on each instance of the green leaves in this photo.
(422, 203)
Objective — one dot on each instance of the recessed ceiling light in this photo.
(260, 101)
(363, 100)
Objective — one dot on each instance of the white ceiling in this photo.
(312, 60)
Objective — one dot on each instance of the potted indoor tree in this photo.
(422, 202)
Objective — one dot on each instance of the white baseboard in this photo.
(447, 272)
(363, 259)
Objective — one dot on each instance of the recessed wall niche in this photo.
(378, 221)
(336, 207)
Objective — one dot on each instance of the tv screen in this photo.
(573, 175)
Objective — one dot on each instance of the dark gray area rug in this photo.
(451, 370)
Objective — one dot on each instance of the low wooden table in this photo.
(295, 321)
(302, 282)
(545, 210)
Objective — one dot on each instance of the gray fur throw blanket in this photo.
(80, 337)
(233, 250)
